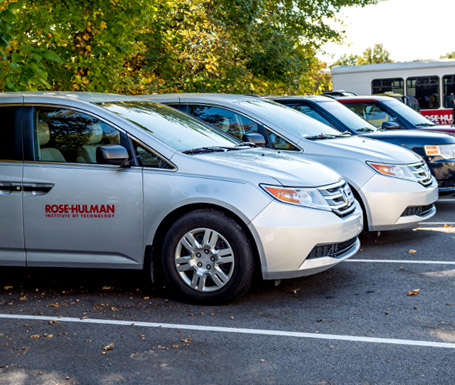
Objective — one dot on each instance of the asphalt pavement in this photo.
(386, 316)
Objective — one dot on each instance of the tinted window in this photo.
(448, 87)
(279, 116)
(380, 86)
(278, 143)
(63, 135)
(225, 120)
(309, 111)
(372, 112)
(412, 116)
(147, 158)
(347, 117)
(9, 138)
(425, 89)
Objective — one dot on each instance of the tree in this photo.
(23, 64)
(88, 45)
(375, 55)
(140, 46)
(450, 55)
(347, 60)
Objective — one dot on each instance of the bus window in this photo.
(379, 86)
(425, 89)
(448, 87)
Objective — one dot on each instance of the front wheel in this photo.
(207, 258)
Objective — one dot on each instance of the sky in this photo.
(408, 29)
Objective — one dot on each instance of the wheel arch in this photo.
(366, 214)
(153, 250)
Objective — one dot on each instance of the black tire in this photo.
(207, 258)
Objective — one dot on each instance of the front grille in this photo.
(420, 211)
(339, 197)
(422, 173)
(333, 250)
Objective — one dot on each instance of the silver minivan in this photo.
(393, 184)
(108, 181)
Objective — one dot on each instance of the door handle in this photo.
(37, 188)
(7, 188)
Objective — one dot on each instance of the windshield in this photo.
(347, 117)
(288, 118)
(172, 127)
(408, 113)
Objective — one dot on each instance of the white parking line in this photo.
(446, 200)
(402, 261)
(435, 223)
(220, 329)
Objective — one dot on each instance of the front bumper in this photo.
(288, 236)
(393, 203)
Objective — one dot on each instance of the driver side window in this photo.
(225, 120)
(64, 135)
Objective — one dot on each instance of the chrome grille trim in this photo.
(339, 197)
(422, 173)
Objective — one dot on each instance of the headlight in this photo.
(447, 151)
(393, 170)
(307, 197)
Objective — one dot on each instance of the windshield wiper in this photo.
(425, 124)
(323, 136)
(365, 129)
(205, 150)
(201, 150)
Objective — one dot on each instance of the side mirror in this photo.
(391, 126)
(113, 154)
(255, 138)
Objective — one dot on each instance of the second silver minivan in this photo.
(393, 184)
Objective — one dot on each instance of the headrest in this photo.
(44, 134)
(95, 135)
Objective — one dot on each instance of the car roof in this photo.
(200, 97)
(373, 98)
(315, 98)
(91, 97)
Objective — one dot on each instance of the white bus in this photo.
(430, 82)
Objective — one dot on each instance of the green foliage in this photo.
(450, 55)
(347, 60)
(375, 55)
(24, 64)
(144, 46)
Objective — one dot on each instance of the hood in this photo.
(363, 149)
(440, 128)
(261, 165)
(412, 136)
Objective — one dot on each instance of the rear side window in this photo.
(10, 135)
